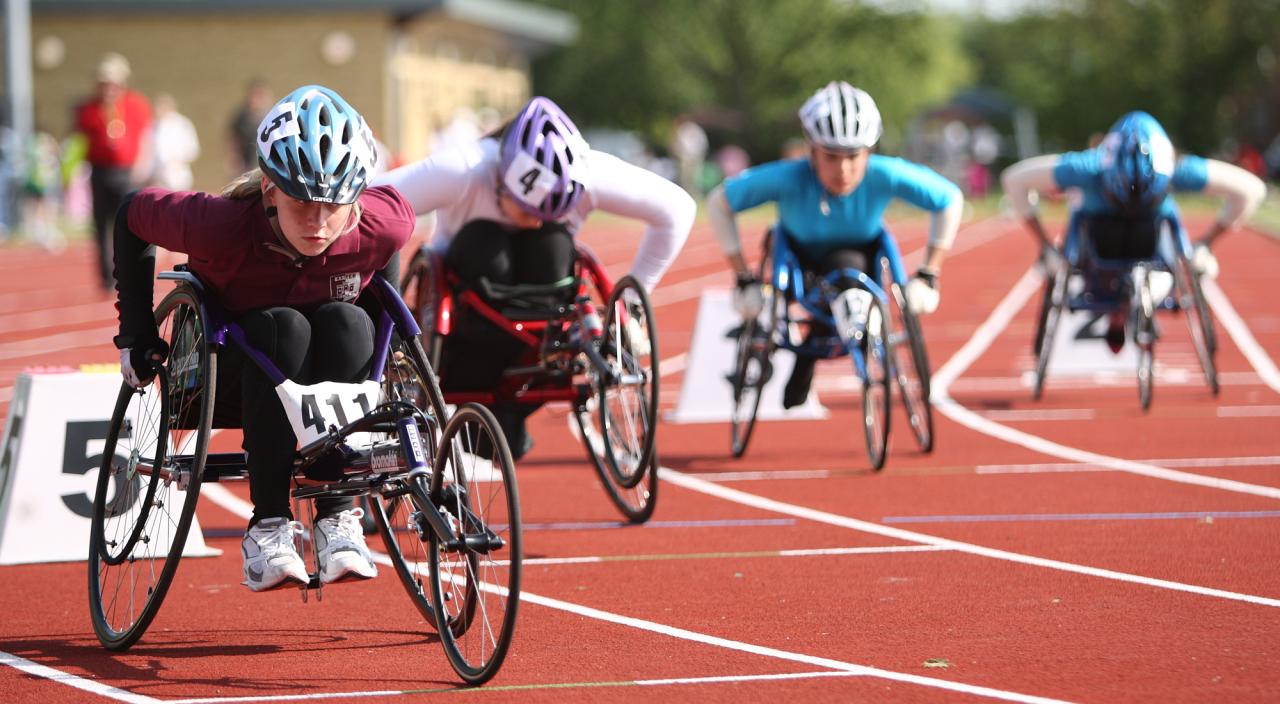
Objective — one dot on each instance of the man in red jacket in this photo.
(115, 122)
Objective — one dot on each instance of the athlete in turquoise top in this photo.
(831, 206)
(1126, 185)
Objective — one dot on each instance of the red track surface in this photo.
(1051, 601)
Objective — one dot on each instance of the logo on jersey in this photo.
(344, 287)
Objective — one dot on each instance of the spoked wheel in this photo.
(753, 366)
(149, 479)
(629, 392)
(636, 503)
(911, 367)
(1144, 334)
(876, 398)
(475, 574)
(1192, 303)
(407, 379)
(1051, 305)
(420, 287)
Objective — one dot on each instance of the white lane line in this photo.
(240, 506)
(1041, 414)
(35, 669)
(1248, 411)
(41, 346)
(1033, 468)
(760, 502)
(981, 341)
(1240, 334)
(767, 475)
(756, 554)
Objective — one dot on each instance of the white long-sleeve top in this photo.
(460, 185)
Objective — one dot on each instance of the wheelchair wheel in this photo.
(911, 367)
(1144, 336)
(407, 379)
(876, 398)
(1051, 305)
(420, 287)
(753, 366)
(149, 482)
(1192, 303)
(475, 574)
(629, 401)
(636, 503)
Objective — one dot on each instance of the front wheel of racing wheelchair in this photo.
(463, 524)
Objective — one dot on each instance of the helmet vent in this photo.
(346, 133)
(322, 115)
(305, 163)
(326, 143)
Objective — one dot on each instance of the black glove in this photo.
(140, 363)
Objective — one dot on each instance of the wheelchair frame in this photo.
(418, 479)
(571, 356)
(1130, 279)
(899, 347)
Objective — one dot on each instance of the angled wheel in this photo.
(421, 287)
(1192, 303)
(753, 365)
(636, 503)
(407, 378)
(876, 397)
(1051, 305)
(629, 392)
(1144, 334)
(475, 573)
(149, 481)
(911, 367)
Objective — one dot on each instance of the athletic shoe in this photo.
(342, 551)
(1115, 332)
(271, 560)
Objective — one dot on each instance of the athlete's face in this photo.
(512, 210)
(839, 172)
(308, 226)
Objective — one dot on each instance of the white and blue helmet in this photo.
(1137, 161)
(841, 117)
(315, 147)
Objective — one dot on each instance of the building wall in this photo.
(205, 59)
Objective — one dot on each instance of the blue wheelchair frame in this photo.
(789, 279)
(1082, 255)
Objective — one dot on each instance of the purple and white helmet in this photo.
(544, 160)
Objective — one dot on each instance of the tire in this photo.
(637, 503)
(165, 425)
(876, 396)
(629, 403)
(420, 287)
(911, 367)
(1144, 334)
(754, 360)
(1051, 305)
(1192, 303)
(407, 379)
(476, 582)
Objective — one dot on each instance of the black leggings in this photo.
(332, 342)
(109, 185)
(477, 352)
(860, 258)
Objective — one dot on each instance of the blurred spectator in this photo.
(732, 160)
(174, 146)
(244, 126)
(689, 147)
(41, 190)
(1272, 157)
(795, 148)
(977, 179)
(77, 195)
(463, 129)
(116, 123)
(1250, 159)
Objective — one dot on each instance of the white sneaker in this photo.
(341, 547)
(271, 559)
(850, 310)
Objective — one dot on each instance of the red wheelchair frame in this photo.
(580, 351)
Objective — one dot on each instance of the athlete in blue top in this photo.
(1126, 186)
(832, 204)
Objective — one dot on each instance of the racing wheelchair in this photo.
(440, 482)
(605, 368)
(885, 341)
(1102, 285)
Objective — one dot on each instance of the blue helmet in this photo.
(316, 147)
(1137, 162)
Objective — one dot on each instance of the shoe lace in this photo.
(278, 540)
(344, 528)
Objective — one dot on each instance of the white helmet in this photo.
(840, 116)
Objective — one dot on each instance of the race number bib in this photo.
(313, 409)
(280, 123)
(528, 180)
